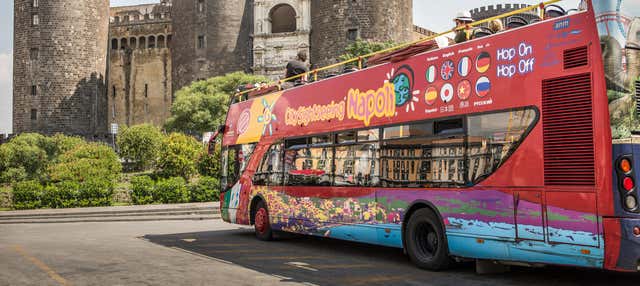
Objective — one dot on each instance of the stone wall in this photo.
(337, 23)
(224, 30)
(140, 64)
(486, 12)
(60, 66)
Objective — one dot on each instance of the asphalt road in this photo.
(215, 253)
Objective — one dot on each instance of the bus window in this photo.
(493, 137)
(357, 165)
(423, 162)
(413, 130)
(448, 126)
(346, 137)
(235, 161)
(369, 135)
(308, 165)
(269, 172)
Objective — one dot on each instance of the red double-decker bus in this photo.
(498, 149)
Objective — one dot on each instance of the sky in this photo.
(427, 14)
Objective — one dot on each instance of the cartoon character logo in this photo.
(403, 80)
(268, 117)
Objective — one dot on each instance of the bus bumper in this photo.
(622, 246)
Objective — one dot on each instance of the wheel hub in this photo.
(262, 220)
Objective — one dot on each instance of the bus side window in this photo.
(308, 162)
(269, 172)
(493, 137)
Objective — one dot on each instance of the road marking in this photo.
(302, 265)
(41, 265)
(189, 240)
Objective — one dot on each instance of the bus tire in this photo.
(426, 242)
(262, 225)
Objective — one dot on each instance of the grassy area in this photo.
(4, 209)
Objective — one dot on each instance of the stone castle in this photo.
(80, 66)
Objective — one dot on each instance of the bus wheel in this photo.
(425, 241)
(262, 225)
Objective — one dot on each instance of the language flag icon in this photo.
(448, 68)
(464, 67)
(431, 95)
(431, 74)
(483, 63)
(483, 86)
(446, 94)
(464, 90)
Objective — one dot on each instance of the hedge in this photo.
(145, 190)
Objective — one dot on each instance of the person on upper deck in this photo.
(296, 67)
(462, 19)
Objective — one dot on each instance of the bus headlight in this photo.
(631, 202)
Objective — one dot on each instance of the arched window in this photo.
(161, 43)
(152, 42)
(123, 44)
(132, 43)
(142, 42)
(114, 44)
(283, 19)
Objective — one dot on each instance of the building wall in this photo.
(226, 27)
(336, 23)
(140, 82)
(63, 59)
(272, 51)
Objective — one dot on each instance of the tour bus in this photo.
(516, 147)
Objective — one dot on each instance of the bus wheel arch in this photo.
(427, 214)
(253, 208)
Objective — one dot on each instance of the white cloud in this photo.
(6, 92)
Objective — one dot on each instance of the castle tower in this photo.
(486, 12)
(336, 23)
(140, 64)
(282, 30)
(60, 54)
(211, 38)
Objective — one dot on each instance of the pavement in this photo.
(211, 252)
(191, 211)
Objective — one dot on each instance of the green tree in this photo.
(140, 144)
(202, 106)
(362, 47)
(178, 156)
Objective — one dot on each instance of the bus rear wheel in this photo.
(261, 224)
(425, 241)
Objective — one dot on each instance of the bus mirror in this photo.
(211, 148)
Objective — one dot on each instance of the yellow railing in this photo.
(359, 59)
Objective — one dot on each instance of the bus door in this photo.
(529, 219)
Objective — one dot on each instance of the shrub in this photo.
(25, 155)
(96, 192)
(140, 145)
(61, 195)
(86, 162)
(14, 175)
(6, 197)
(142, 190)
(207, 189)
(178, 155)
(27, 195)
(171, 191)
(209, 165)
